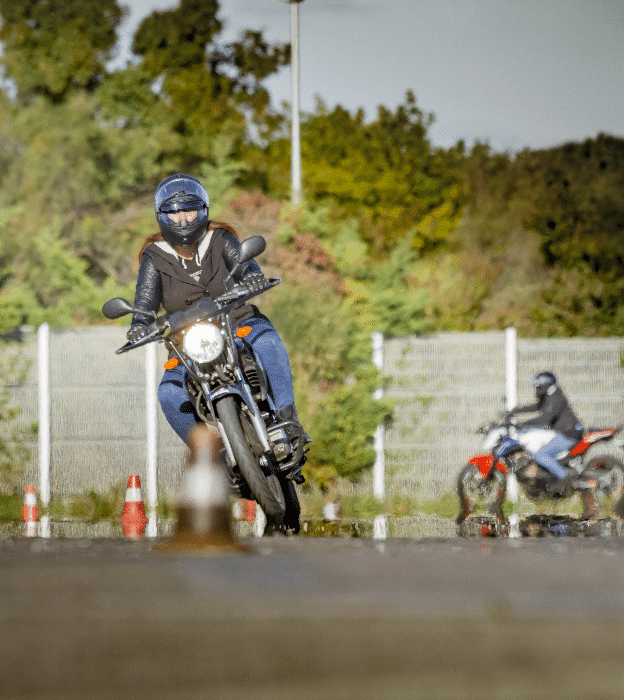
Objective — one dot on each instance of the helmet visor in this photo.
(188, 216)
(186, 185)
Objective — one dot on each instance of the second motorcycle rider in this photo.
(188, 260)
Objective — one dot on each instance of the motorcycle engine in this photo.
(518, 461)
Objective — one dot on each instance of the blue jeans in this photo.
(545, 456)
(270, 353)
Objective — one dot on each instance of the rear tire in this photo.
(273, 505)
(608, 497)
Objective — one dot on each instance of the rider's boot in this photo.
(290, 413)
(295, 433)
(559, 487)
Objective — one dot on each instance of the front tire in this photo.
(473, 488)
(273, 504)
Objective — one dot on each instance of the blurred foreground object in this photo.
(204, 515)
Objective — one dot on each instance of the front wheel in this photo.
(271, 501)
(473, 488)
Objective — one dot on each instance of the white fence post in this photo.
(511, 369)
(151, 416)
(43, 433)
(379, 468)
(511, 400)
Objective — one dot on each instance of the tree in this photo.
(52, 47)
(14, 454)
(384, 172)
(206, 85)
(577, 193)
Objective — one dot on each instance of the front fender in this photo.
(222, 391)
(240, 390)
(485, 462)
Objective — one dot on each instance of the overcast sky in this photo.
(529, 73)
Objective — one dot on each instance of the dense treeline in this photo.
(401, 237)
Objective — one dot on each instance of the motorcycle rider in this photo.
(555, 414)
(190, 259)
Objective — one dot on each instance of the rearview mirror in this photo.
(251, 248)
(116, 308)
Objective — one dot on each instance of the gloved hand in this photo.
(254, 282)
(136, 332)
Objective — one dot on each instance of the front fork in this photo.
(241, 390)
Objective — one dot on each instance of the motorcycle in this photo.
(227, 386)
(508, 449)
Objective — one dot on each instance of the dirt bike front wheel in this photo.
(473, 488)
(273, 504)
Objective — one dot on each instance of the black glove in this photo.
(254, 282)
(136, 332)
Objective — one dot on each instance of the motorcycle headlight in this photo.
(203, 342)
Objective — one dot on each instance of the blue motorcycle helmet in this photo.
(181, 203)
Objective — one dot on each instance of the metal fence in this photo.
(98, 426)
(444, 386)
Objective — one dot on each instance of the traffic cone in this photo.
(133, 519)
(245, 510)
(204, 515)
(29, 511)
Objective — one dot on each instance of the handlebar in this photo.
(505, 420)
(221, 305)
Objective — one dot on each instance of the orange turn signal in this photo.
(172, 363)
(243, 331)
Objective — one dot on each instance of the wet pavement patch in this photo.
(541, 525)
(393, 527)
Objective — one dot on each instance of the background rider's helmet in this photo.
(543, 381)
(181, 204)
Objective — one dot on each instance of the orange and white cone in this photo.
(133, 519)
(204, 523)
(247, 510)
(29, 511)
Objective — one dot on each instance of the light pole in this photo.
(295, 137)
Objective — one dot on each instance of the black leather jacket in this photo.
(163, 280)
(555, 413)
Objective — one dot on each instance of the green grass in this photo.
(10, 507)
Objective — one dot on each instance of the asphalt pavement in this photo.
(309, 618)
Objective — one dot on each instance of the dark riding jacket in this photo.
(165, 279)
(555, 413)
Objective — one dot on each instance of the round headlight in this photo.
(203, 342)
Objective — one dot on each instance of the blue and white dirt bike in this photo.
(507, 449)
